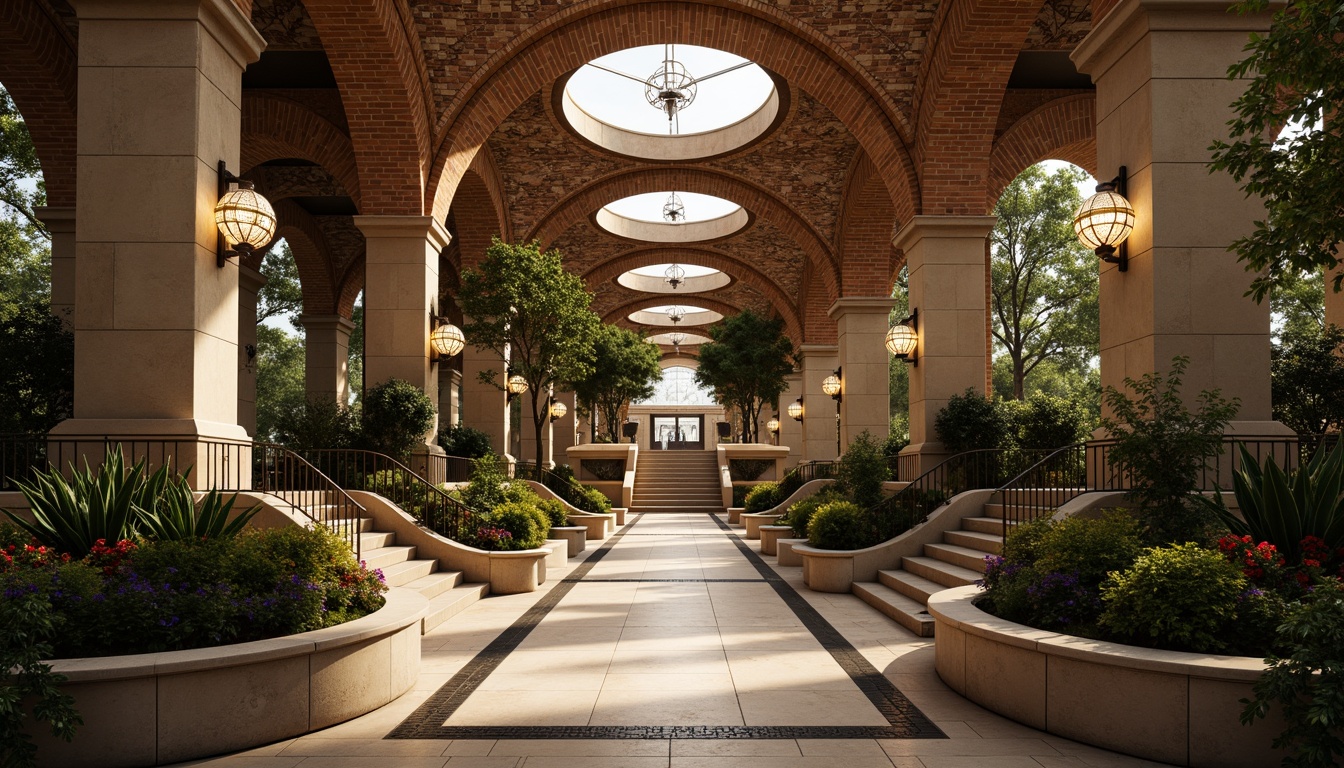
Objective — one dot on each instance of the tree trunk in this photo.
(1019, 378)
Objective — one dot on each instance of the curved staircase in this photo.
(676, 481)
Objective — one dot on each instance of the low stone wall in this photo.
(161, 708)
(1178, 708)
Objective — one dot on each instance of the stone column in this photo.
(1160, 69)
(819, 361)
(790, 431)
(563, 431)
(945, 256)
(60, 223)
(1334, 302)
(861, 324)
(401, 284)
(450, 394)
(250, 283)
(326, 372)
(156, 332)
(485, 406)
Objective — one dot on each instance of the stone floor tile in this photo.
(841, 748)
(311, 746)
(570, 761)
(809, 708)
(824, 761)
(624, 707)
(526, 708)
(968, 747)
(470, 747)
(735, 747)
(583, 747)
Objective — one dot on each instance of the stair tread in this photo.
(452, 602)
(965, 574)
(957, 549)
(914, 581)
(436, 583)
(900, 608)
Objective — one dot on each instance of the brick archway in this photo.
(864, 233)
(39, 69)
(311, 256)
(757, 200)
(1063, 129)
(754, 30)
(275, 128)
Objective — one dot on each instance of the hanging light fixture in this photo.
(445, 339)
(1104, 221)
(675, 314)
(558, 410)
(832, 386)
(674, 210)
(796, 409)
(245, 219)
(516, 386)
(670, 89)
(773, 426)
(903, 338)
(676, 339)
(674, 276)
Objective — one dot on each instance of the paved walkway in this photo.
(675, 645)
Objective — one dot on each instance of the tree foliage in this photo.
(281, 296)
(1296, 77)
(37, 368)
(625, 368)
(745, 364)
(1307, 381)
(523, 305)
(1298, 304)
(280, 384)
(1044, 283)
(21, 185)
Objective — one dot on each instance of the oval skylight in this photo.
(686, 340)
(690, 315)
(657, 279)
(672, 217)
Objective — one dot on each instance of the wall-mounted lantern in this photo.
(796, 409)
(903, 338)
(445, 339)
(557, 410)
(245, 219)
(1104, 220)
(516, 386)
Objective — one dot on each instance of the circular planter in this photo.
(1178, 708)
(784, 554)
(753, 522)
(770, 534)
(160, 708)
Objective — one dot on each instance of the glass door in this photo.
(677, 433)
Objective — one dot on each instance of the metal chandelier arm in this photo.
(699, 80)
(639, 80)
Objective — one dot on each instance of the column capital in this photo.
(920, 227)
(326, 323)
(1116, 33)
(405, 227)
(864, 305)
(819, 350)
(57, 219)
(224, 20)
(250, 280)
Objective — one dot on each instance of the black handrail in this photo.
(381, 474)
(816, 470)
(223, 465)
(443, 469)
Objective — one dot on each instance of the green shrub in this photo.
(522, 521)
(1182, 597)
(485, 490)
(894, 444)
(1306, 681)
(1164, 446)
(762, 496)
(589, 499)
(396, 418)
(177, 516)
(862, 470)
(749, 469)
(838, 525)
(70, 515)
(28, 628)
(319, 423)
(554, 512)
(740, 495)
(970, 421)
(790, 484)
(1089, 547)
(466, 442)
(800, 513)
(1048, 421)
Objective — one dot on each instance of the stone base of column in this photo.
(217, 455)
(918, 458)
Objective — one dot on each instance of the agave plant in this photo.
(71, 515)
(178, 517)
(1284, 508)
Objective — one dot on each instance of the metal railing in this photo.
(816, 470)
(228, 466)
(443, 469)
(960, 472)
(381, 474)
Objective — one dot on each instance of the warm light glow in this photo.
(772, 425)
(558, 409)
(901, 340)
(447, 340)
(1104, 220)
(517, 385)
(796, 410)
(245, 219)
(831, 385)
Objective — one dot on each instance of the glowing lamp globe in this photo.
(831, 385)
(517, 385)
(447, 340)
(772, 425)
(902, 340)
(245, 219)
(796, 410)
(558, 409)
(1104, 220)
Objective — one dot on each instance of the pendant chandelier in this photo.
(675, 314)
(674, 276)
(674, 211)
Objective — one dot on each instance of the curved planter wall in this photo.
(160, 708)
(1179, 708)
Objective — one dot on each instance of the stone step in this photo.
(970, 559)
(364, 524)
(404, 573)
(436, 583)
(383, 557)
(901, 609)
(991, 525)
(653, 500)
(935, 570)
(676, 510)
(1031, 513)
(916, 588)
(375, 540)
(985, 542)
(1039, 496)
(450, 603)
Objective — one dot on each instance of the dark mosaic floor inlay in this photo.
(905, 720)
